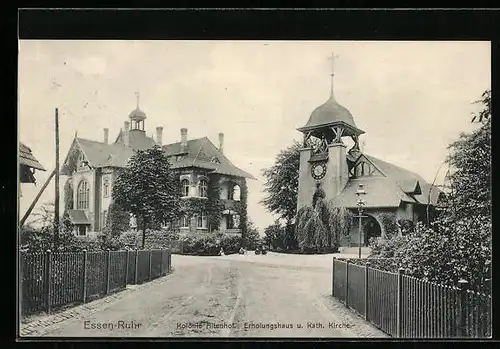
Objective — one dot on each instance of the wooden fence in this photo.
(407, 307)
(52, 280)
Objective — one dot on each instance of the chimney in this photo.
(106, 133)
(159, 132)
(221, 142)
(126, 128)
(184, 134)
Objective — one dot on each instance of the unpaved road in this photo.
(230, 296)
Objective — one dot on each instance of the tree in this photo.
(282, 183)
(252, 237)
(148, 189)
(470, 161)
(274, 236)
(118, 220)
(318, 228)
(458, 244)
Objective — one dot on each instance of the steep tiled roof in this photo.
(380, 192)
(202, 153)
(397, 184)
(137, 139)
(402, 175)
(26, 158)
(199, 153)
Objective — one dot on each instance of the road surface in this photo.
(228, 296)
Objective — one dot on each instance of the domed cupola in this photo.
(330, 122)
(137, 117)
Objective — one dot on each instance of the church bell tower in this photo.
(324, 161)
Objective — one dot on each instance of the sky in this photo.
(411, 98)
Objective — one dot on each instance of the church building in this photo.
(92, 167)
(327, 165)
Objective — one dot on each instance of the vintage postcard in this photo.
(254, 189)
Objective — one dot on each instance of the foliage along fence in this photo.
(52, 280)
(407, 307)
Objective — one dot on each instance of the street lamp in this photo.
(361, 204)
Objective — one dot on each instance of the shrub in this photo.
(210, 244)
(389, 224)
(275, 236)
(407, 226)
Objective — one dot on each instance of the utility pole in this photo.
(56, 208)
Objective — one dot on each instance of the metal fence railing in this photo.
(52, 280)
(407, 307)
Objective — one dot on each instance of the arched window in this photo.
(185, 187)
(105, 188)
(202, 220)
(82, 196)
(234, 192)
(203, 188)
(81, 159)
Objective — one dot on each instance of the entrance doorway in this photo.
(371, 229)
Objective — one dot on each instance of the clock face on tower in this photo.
(318, 170)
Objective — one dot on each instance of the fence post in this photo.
(347, 283)
(462, 285)
(108, 264)
(169, 260)
(367, 266)
(399, 319)
(48, 272)
(136, 266)
(126, 268)
(161, 262)
(149, 272)
(84, 281)
(333, 278)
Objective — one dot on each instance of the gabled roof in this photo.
(402, 175)
(380, 192)
(26, 158)
(394, 186)
(200, 153)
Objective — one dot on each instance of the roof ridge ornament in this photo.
(137, 95)
(332, 74)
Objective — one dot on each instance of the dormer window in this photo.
(215, 160)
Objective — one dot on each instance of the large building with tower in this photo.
(326, 164)
(92, 166)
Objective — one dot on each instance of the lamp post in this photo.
(361, 204)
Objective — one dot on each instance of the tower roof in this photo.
(331, 113)
(137, 114)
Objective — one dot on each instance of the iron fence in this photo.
(407, 307)
(53, 280)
